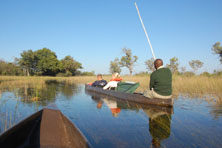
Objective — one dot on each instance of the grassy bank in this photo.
(192, 86)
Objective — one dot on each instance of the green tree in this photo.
(114, 66)
(3, 66)
(128, 60)
(173, 66)
(150, 64)
(9, 68)
(217, 49)
(48, 63)
(195, 64)
(69, 65)
(28, 62)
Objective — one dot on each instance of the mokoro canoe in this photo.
(137, 98)
(124, 104)
(46, 128)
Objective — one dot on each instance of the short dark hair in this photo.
(160, 61)
(99, 75)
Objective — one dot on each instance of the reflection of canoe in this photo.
(46, 128)
(124, 104)
(130, 97)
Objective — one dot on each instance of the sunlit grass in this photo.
(192, 86)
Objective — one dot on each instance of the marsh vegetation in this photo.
(197, 86)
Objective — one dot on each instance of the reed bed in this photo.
(192, 86)
(198, 85)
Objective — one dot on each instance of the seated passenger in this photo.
(113, 82)
(160, 82)
(99, 82)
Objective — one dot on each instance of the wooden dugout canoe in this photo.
(48, 128)
(137, 98)
(124, 104)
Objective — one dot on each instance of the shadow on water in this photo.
(159, 117)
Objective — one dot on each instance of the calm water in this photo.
(108, 123)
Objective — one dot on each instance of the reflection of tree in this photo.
(216, 108)
(24, 92)
(159, 125)
(45, 92)
(68, 89)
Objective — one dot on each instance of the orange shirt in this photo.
(116, 79)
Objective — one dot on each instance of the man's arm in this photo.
(151, 81)
(94, 84)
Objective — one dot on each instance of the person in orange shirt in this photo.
(113, 82)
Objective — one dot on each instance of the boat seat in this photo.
(128, 87)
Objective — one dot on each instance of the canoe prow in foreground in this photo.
(137, 98)
(46, 128)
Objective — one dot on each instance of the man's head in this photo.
(158, 63)
(99, 77)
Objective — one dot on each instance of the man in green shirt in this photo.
(160, 82)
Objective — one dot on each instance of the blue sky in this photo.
(94, 32)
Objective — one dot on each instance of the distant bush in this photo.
(189, 74)
(88, 73)
(142, 74)
(60, 74)
(7, 68)
(205, 74)
(217, 73)
(67, 74)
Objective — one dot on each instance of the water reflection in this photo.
(43, 94)
(159, 125)
(111, 104)
(17, 97)
(216, 108)
(159, 117)
(108, 122)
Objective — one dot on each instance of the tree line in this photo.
(42, 62)
(128, 61)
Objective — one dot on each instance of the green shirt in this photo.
(161, 81)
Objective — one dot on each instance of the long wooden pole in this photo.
(145, 32)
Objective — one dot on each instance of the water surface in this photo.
(107, 122)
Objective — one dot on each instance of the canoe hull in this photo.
(137, 98)
(46, 128)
